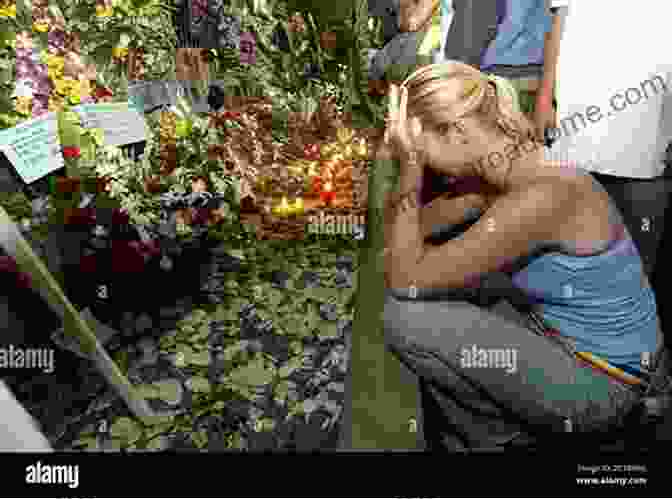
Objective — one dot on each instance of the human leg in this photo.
(525, 385)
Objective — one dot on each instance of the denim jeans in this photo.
(493, 379)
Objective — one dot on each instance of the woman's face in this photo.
(455, 149)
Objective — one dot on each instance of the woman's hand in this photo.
(401, 134)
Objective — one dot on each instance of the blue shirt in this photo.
(523, 25)
(603, 302)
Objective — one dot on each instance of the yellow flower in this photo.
(74, 92)
(62, 86)
(85, 88)
(55, 62)
(41, 27)
(56, 103)
(102, 11)
(119, 52)
(9, 11)
(24, 105)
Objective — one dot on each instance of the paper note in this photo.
(33, 147)
(121, 123)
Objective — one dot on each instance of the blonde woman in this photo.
(552, 229)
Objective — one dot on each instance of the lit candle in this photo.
(283, 207)
(327, 195)
(298, 206)
(362, 150)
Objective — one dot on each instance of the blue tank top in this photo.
(604, 301)
(520, 36)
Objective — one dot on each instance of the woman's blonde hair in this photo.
(430, 94)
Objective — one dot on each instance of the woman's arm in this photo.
(415, 14)
(441, 212)
(551, 51)
(515, 226)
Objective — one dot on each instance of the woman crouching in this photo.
(577, 360)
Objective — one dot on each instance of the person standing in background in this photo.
(504, 38)
(517, 51)
(419, 37)
(613, 109)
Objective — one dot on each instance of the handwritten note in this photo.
(33, 147)
(121, 124)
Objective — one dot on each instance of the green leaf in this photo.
(311, 319)
(169, 390)
(200, 384)
(198, 358)
(200, 438)
(147, 391)
(290, 367)
(155, 444)
(237, 253)
(328, 330)
(296, 347)
(253, 374)
(126, 429)
(294, 325)
(90, 443)
(225, 312)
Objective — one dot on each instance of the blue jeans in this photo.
(493, 380)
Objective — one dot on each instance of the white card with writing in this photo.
(33, 147)
(121, 124)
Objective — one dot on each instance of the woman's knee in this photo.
(426, 323)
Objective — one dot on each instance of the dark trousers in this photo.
(529, 396)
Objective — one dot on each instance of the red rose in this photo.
(102, 93)
(231, 115)
(312, 152)
(71, 152)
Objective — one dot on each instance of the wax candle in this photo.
(298, 206)
(283, 208)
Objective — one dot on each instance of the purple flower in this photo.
(23, 53)
(40, 105)
(42, 84)
(199, 8)
(25, 69)
(56, 40)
